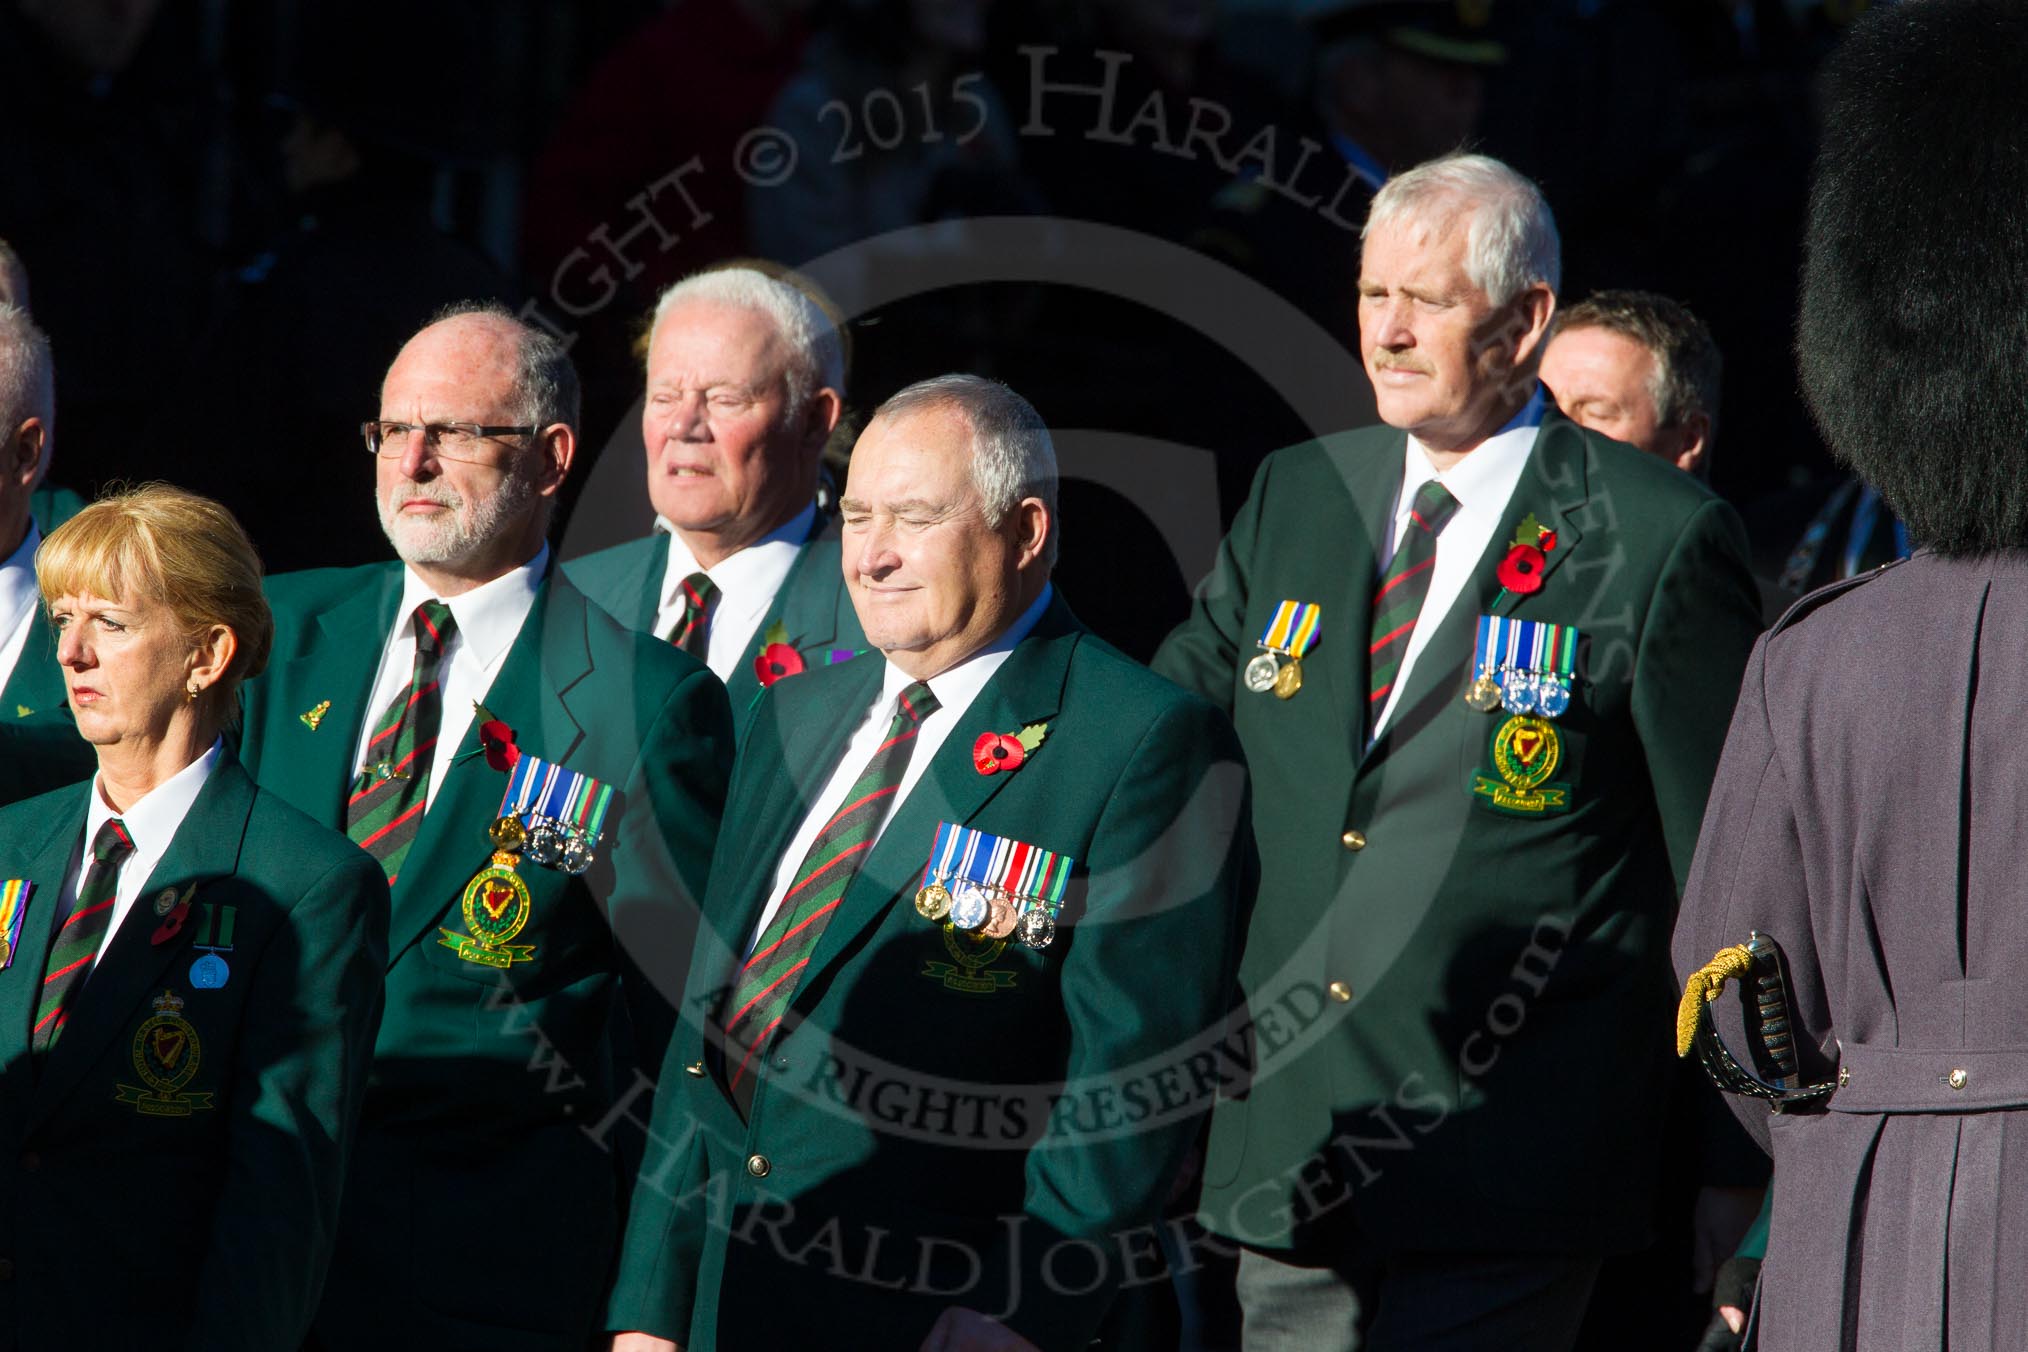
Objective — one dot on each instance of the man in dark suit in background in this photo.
(39, 747)
(746, 380)
(1478, 660)
(542, 787)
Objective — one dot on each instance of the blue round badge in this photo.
(209, 972)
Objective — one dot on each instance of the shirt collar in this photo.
(153, 818)
(760, 566)
(958, 686)
(1488, 463)
(17, 582)
(489, 615)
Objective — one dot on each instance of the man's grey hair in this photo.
(816, 353)
(1012, 455)
(546, 389)
(1511, 242)
(13, 276)
(1688, 368)
(27, 379)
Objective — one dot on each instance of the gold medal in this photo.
(6, 951)
(507, 833)
(1484, 695)
(1289, 680)
(933, 902)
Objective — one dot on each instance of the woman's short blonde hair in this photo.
(167, 545)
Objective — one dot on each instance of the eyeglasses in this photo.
(446, 440)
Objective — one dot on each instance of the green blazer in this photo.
(812, 604)
(51, 506)
(209, 1197)
(934, 1102)
(483, 1078)
(39, 746)
(1480, 992)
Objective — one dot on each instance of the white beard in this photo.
(466, 530)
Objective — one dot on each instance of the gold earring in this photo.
(190, 692)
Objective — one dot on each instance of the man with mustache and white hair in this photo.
(542, 787)
(1481, 661)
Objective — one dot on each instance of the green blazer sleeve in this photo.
(299, 1080)
(1202, 652)
(1702, 621)
(685, 762)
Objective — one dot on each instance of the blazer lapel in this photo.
(646, 585)
(533, 695)
(1027, 689)
(35, 686)
(789, 788)
(21, 983)
(1372, 478)
(337, 661)
(206, 848)
(804, 606)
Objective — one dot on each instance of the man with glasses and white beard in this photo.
(542, 787)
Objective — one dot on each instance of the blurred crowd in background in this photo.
(234, 211)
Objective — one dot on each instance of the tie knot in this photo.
(917, 702)
(434, 626)
(112, 843)
(698, 590)
(1433, 507)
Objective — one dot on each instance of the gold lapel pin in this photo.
(315, 716)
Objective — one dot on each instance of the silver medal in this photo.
(1261, 672)
(970, 906)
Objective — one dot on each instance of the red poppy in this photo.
(776, 661)
(1547, 540)
(172, 924)
(1521, 571)
(498, 740)
(997, 751)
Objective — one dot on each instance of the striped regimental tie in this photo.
(392, 787)
(1398, 603)
(75, 946)
(761, 993)
(692, 630)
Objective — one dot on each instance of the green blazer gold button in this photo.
(758, 1165)
(695, 1068)
(1354, 840)
(1340, 991)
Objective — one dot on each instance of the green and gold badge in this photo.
(496, 905)
(1526, 751)
(166, 1057)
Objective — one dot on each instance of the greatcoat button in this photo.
(1340, 991)
(758, 1165)
(1958, 1078)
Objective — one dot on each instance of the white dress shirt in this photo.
(1483, 483)
(955, 690)
(151, 821)
(488, 617)
(18, 598)
(747, 581)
